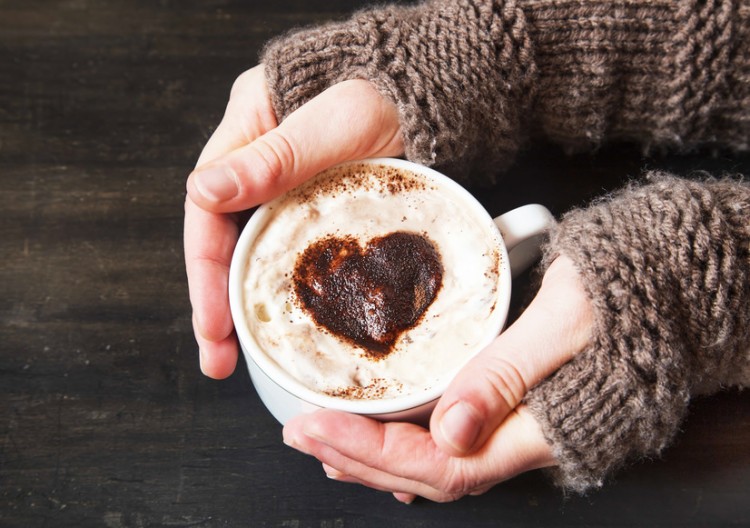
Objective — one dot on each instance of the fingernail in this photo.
(217, 183)
(333, 474)
(404, 498)
(460, 426)
(290, 439)
(202, 360)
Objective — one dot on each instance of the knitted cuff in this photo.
(667, 268)
(459, 71)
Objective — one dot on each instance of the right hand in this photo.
(493, 437)
(250, 159)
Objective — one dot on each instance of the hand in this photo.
(479, 433)
(250, 159)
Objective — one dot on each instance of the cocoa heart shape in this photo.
(369, 296)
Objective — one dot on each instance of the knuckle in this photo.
(453, 484)
(480, 491)
(284, 150)
(446, 497)
(276, 156)
(460, 480)
(506, 380)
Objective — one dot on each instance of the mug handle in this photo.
(523, 229)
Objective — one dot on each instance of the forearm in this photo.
(461, 73)
(472, 79)
(667, 268)
(663, 73)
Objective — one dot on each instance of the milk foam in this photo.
(366, 201)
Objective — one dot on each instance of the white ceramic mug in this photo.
(521, 231)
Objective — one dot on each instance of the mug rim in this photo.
(286, 381)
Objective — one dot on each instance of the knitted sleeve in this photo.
(667, 267)
(460, 72)
(473, 78)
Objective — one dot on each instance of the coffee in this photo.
(372, 281)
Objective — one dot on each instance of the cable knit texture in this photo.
(473, 78)
(667, 266)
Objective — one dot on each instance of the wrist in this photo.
(454, 100)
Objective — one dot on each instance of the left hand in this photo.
(251, 158)
(403, 459)
(490, 437)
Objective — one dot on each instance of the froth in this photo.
(363, 204)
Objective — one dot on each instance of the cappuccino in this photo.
(372, 282)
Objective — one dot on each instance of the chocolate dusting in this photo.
(375, 390)
(350, 178)
(369, 297)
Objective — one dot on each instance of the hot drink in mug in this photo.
(367, 288)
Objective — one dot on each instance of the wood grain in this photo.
(105, 419)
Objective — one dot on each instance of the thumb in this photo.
(554, 327)
(350, 120)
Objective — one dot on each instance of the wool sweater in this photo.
(665, 263)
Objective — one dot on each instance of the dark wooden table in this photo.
(105, 419)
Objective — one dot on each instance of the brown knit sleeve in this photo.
(663, 73)
(473, 78)
(461, 73)
(667, 267)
